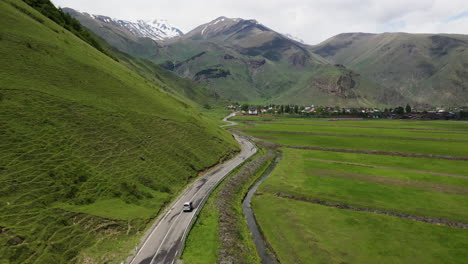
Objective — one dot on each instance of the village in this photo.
(407, 112)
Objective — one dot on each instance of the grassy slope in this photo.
(90, 151)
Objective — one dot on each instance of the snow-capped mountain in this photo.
(154, 29)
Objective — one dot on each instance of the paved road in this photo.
(165, 240)
(226, 119)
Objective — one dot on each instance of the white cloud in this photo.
(311, 20)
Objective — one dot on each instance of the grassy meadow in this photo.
(300, 205)
(387, 135)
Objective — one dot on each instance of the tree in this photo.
(296, 109)
(399, 110)
(408, 108)
(287, 109)
(245, 107)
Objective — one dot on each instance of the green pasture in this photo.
(303, 232)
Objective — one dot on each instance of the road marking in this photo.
(198, 208)
(170, 227)
(175, 256)
(154, 230)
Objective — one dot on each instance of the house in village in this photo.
(253, 111)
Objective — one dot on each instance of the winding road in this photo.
(165, 240)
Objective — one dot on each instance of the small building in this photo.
(253, 111)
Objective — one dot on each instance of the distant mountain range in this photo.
(244, 60)
(427, 68)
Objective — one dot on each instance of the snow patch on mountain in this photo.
(157, 29)
(293, 38)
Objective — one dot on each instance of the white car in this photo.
(188, 207)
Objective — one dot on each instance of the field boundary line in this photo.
(380, 152)
(428, 220)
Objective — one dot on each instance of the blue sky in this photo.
(311, 20)
(462, 15)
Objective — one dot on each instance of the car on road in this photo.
(188, 207)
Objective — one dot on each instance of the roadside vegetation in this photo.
(90, 151)
(341, 207)
(220, 233)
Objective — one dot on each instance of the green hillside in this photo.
(424, 68)
(90, 150)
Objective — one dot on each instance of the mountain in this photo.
(90, 150)
(243, 60)
(426, 68)
(247, 61)
(294, 38)
(139, 39)
(153, 29)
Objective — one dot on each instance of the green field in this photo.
(384, 135)
(308, 233)
(390, 132)
(298, 205)
(90, 151)
(367, 187)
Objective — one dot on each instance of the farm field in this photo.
(342, 207)
(428, 138)
(311, 233)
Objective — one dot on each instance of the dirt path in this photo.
(389, 168)
(429, 220)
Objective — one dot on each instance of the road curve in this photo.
(164, 242)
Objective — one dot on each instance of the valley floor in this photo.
(365, 191)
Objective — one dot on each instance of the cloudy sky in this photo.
(311, 20)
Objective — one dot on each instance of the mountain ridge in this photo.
(155, 29)
(244, 60)
(428, 68)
